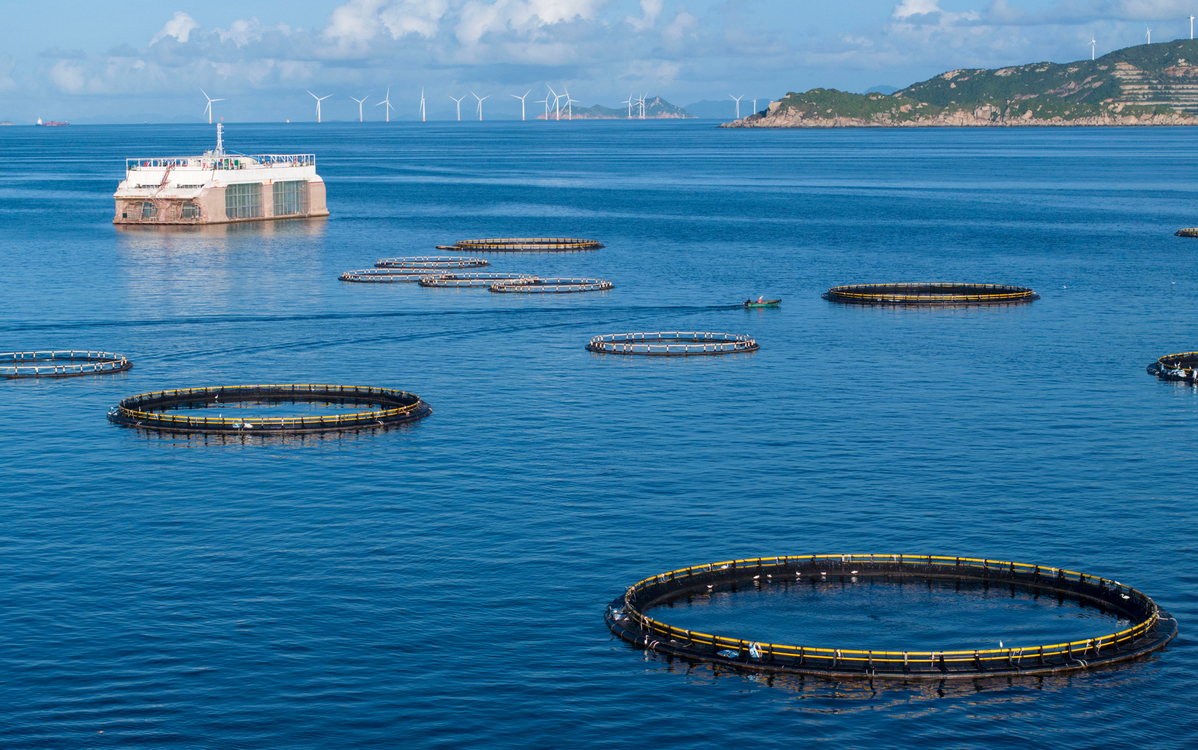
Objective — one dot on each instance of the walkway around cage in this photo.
(60, 364)
(433, 263)
(672, 343)
(550, 286)
(1182, 367)
(1186, 232)
(932, 293)
(525, 245)
(627, 618)
(146, 410)
(386, 275)
(471, 280)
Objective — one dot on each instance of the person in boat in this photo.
(748, 302)
(760, 299)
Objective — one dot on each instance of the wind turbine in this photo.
(642, 103)
(422, 104)
(1092, 47)
(556, 97)
(208, 109)
(628, 101)
(737, 98)
(480, 104)
(1191, 27)
(544, 101)
(521, 98)
(1149, 35)
(459, 101)
(359, 101)
(318, 99)
(570, 101)
(387, 101)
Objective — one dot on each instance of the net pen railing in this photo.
(472, 280)
(930, 292)
(385, 275)
(550, 286)
(60, 363)
(1151, 628)
(672, 343)
(524, 244)
(433, 262)
(1181, 366)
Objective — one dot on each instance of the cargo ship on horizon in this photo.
(219, 188)
(51, 124)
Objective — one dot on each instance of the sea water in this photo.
(443, 585)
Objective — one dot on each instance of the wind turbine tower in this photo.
(1093, 44)
(521, 98)
(737, 99)
(641, 102)
(544, 101)
(628, 101)
(1191, 27)
(208, 109)
(556, 98)
(387, 101)
(422, 104)
(459, 101)
(359, 101)
(1149, 35)
(318, 99)
(569, 102)
(480, 104)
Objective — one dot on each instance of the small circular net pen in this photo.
(148, 410)
(936, 293)
(628, 618)
(386, 275)
(1186, 232)
(463, 280)
(56, 364)
(672, 343)
(524, 245)
(1183, 367)
(550, 286)
(433, 263)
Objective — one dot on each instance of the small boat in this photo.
(763, 303)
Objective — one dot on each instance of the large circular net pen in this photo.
(672, 343)
(550, 286)
(433, 263)
(1186, 232)
(60, 364)
(936, 293)
(1183, 367)
(628, 617)
(386, 275)
(524, 245)
(150, 410)
(462, 280)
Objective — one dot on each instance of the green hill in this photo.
(655, 108)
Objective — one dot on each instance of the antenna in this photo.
(220, 146)
(737, 98)
(521, 98)
(387, 101)
(208, 108)
(359, 101)
(318, 99)
(480, 104)
(459, 101)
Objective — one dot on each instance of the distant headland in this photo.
(654, 109)
(1149, 84)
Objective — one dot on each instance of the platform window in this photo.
(291, 197)
(243, 201)
(149, 211)
(190, 211)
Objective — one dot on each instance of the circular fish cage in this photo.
(147, 411)
(386, 275)
(1186, 232)
(627, 618)
(1183, 367)
(672, 343)
(433, 263)
(935, 293)
(525, 245)
(463, 280)
(550, 286)
(55, 364)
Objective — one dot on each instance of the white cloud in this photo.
(7, 63)
(909, 8)
(524, 17)
(180, 27)
(683, 25)
(358, 21)
(242, 32)
(650, 10)
(68, 76)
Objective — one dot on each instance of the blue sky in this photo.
(66, 59)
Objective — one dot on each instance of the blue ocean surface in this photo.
(443, 585)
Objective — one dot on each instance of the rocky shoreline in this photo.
(982, 116)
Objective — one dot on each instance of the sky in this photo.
(83, 60)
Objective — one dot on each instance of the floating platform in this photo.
(472, 280)
(429, 262)
(525, 245)
(1183, 367)
(628, 618)
(147, 411)
(386, 275)
(672, 344)
(933, 293)
(60, 364)
(1186, 232)
(550, 286)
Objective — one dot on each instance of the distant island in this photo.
(655, 109)
(1150, 84)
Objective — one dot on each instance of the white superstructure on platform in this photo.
(218, 187)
